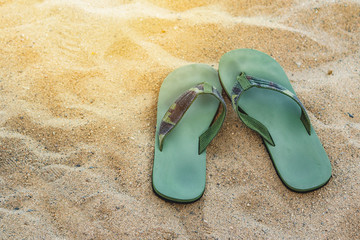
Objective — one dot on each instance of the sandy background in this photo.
(79, 81)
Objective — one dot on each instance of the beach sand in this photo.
(79, 81)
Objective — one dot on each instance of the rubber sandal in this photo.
(265, 101)
(180, 159)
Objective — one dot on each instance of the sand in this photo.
(79, 81)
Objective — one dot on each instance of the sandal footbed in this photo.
(179, 172)
(300, 159)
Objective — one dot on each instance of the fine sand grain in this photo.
(79, 81)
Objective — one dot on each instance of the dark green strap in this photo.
(244, 83)
(182, 104)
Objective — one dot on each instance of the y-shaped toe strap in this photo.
(244, 83)
(182, 104)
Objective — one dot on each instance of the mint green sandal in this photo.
(265, 101)
(180, 160)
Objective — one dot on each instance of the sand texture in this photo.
(79, 82)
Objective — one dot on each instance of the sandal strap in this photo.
(182, 104)
(244, 83)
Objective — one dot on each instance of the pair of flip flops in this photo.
(264, 100)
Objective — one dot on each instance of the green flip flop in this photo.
(265, 101)
(180, 159)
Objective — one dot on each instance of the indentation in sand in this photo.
(126, 48)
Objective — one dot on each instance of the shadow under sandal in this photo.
(179, 170)
(265, 101)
